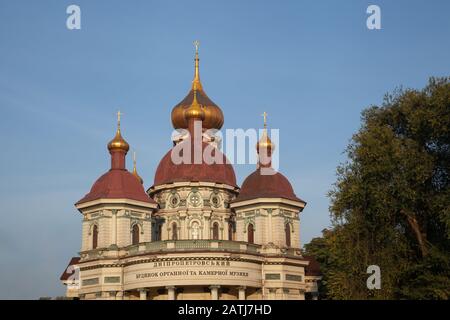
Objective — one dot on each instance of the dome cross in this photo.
(264, 115)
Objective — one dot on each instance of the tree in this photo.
(319, 249)
(390, 205)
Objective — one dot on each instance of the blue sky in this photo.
(312, 65)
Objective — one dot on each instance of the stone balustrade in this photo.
(186, 245)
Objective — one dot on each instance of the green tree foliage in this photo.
(390, 205)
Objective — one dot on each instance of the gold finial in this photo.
(196, 84)
(135, 170)
(265, 119)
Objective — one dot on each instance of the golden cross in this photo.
(265, 119)
(196, 44)
(118, 117)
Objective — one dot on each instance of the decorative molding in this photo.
(136, 214)
(247, 221)
(288, 220)
(249, 213)
(139, 223)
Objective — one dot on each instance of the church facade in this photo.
(194, 234)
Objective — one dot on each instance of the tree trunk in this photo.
(420, 236)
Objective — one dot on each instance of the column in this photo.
(143, 294)
(207, 228)
(269, 224)
(183, 231)
(241, 295)
(114, 227)
(214, 292)
(170, 292)
(272, 293)
(119, 295)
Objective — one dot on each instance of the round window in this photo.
(215, 200)
(174, 201)
(195, 199)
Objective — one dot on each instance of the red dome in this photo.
(117, 184)
(258, 185)
(168, 171)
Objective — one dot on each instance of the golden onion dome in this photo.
(265, 142)
(213, 118)
(118, 143)
(138, 176)
(135, 170)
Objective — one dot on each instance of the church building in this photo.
(194, 233)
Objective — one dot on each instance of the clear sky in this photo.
(312, 65)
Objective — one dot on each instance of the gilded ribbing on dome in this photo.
(195, 110)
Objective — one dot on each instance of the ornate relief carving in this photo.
(288, 220)
(249, 213)
(139, 223)
(174, 200)
(247, 221)
(215, 200)
(195, 199)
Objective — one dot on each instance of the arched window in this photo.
(159, 232)
(94, 237)
(215, 231)
(135, 234)
(250, 233)
(287, 231)
(174, 231)
(230, 231)
(195, 230)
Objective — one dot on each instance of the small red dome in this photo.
(168, 171)
(258, 185)
(117, 184)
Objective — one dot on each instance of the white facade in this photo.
(208, 258)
